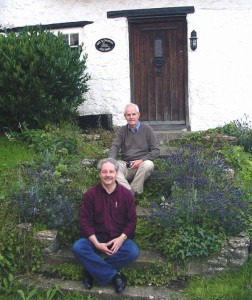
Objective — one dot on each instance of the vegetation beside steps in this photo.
(196, 199)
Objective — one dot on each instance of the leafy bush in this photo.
(190, 241)
(41, 81)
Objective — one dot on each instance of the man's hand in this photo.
(104, 247)
(115, 244)
(108, 248)
(136, 163)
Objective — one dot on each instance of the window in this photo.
(72, 39)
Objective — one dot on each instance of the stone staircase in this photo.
(53, 257)
(233, 255)
(45, 279)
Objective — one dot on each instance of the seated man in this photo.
(108, 221)
(138, 146)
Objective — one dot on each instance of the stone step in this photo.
(168, 150)
(165, 137)
(130, 293)
(146, 259)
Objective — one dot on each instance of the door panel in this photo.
(158, 64)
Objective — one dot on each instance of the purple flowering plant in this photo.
(50, 200)
(195, 196)
(193, 204)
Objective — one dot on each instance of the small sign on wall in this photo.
(105, 45)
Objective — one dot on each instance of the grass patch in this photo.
(11, 154)
(232, 285)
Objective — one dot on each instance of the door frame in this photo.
(144, 24)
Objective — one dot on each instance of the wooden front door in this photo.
(158, 66)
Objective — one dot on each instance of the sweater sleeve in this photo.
(116, 145)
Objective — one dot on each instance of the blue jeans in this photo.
(103, 270)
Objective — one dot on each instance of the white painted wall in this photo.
(220, 70)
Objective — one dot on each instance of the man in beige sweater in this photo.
(138, 147)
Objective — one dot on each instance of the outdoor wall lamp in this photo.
(193, 40)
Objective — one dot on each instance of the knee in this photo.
(135, 252)
(148, 165)
(79, 246)
(76, 248)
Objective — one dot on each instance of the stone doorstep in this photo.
(167, 136)
(107, 292)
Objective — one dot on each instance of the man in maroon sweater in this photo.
(138, 146)
(108, 222)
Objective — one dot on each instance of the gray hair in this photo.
(105, 160)
(131, 104)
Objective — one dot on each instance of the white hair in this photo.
(131, 104)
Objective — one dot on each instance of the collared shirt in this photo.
(134, 130)
(108, 215)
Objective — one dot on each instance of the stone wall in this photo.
(233, 255)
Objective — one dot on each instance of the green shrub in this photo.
(190, 241)
(242, 130)
(41, 81)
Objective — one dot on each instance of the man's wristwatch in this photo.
(124, 236)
